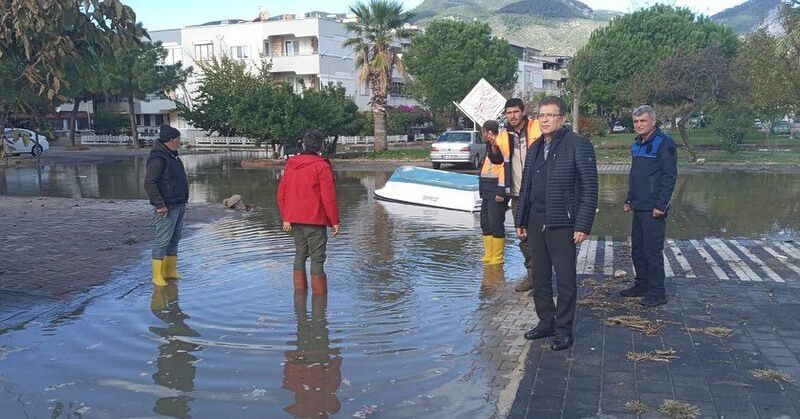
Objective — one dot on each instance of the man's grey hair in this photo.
(644, 109)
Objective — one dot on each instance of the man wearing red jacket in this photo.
(307, 201)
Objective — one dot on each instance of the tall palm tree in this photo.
(377, 24)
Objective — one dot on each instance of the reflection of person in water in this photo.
(313, 371)
(175, 362)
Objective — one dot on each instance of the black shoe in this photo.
(541, 331)
(561, 342)
(653, 301)
(634, 291)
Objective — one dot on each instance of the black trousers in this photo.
(550, 249)
(493, 217)
(647, 244)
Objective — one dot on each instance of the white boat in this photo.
(432, 188)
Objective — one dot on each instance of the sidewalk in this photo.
(752, 288)
(55, 249)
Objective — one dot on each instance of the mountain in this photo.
(558, 27)
(750, 15)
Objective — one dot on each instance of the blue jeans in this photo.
(168, 231)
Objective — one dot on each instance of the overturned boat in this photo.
(432, 188)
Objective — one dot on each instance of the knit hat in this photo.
(167, 133)
(312, 141)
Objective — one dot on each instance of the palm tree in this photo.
(377, 24)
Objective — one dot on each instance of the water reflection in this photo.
(176, 362)
(492, 281)
(313, 370)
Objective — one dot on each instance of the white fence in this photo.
(226, 142)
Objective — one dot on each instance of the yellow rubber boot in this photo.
(158, 273)
(171, 267)
(487, 249)
(498, 250)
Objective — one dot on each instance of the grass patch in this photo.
(635, 323)
(718, 331)
(653, 356)
(678, 410)
(772, 375)
(637, 407)
(400, 154)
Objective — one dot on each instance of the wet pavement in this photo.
(412, 326)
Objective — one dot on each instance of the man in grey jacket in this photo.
(558, 200)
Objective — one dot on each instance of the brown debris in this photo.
(654, 356)
(636, 323)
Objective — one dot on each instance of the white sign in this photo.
(482, 103)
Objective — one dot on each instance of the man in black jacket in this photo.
(652, 180)
(558, 200)
(168, 188)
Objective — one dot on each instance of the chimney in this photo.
(263, 14)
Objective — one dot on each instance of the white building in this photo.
(306, 52)
(539, 73)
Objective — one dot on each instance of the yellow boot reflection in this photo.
(175, 363)
(313, 371)
(493, 280)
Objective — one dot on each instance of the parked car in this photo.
(18, 141)
(781, 128)
(458, 147)
(618, 128)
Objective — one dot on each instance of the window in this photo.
(291, 48)
(159, 120)
(138, 120)
(240, 52)
(363, 88)
(147, 120)
(174, 55)
(397, 89)
(203, 52)
(267, 48)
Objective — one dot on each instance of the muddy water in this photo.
(230, 339)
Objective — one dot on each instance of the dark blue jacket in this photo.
(653, 171)
(571, 182)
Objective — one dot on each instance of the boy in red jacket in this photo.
(307, 201)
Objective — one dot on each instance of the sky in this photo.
(160, 14)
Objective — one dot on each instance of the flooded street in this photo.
(393, 338)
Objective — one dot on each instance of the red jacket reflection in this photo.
(307, 193)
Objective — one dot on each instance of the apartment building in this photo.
(306, 51)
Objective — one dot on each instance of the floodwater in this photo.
(230, 339)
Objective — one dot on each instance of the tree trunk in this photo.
(333, 146)
(685, 139)
(73, 122)
(576, 98)
(134, 132)
(454, 119)
(3, 119)
(381, 143)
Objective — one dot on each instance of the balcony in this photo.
(554, 74)
(297, 64)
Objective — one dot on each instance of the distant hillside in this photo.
(553, 26)
(749, 15)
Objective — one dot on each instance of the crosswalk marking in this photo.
(782, 259)
(789, 249)
(608, 257)
(741, 269)
(591, 257)
(770, 273)
(668, 272)
(681, 259)
(581, 263)
(709, 260)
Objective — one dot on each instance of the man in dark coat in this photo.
(558, 200)
(168, 188)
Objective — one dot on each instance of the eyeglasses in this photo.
(548, 115)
